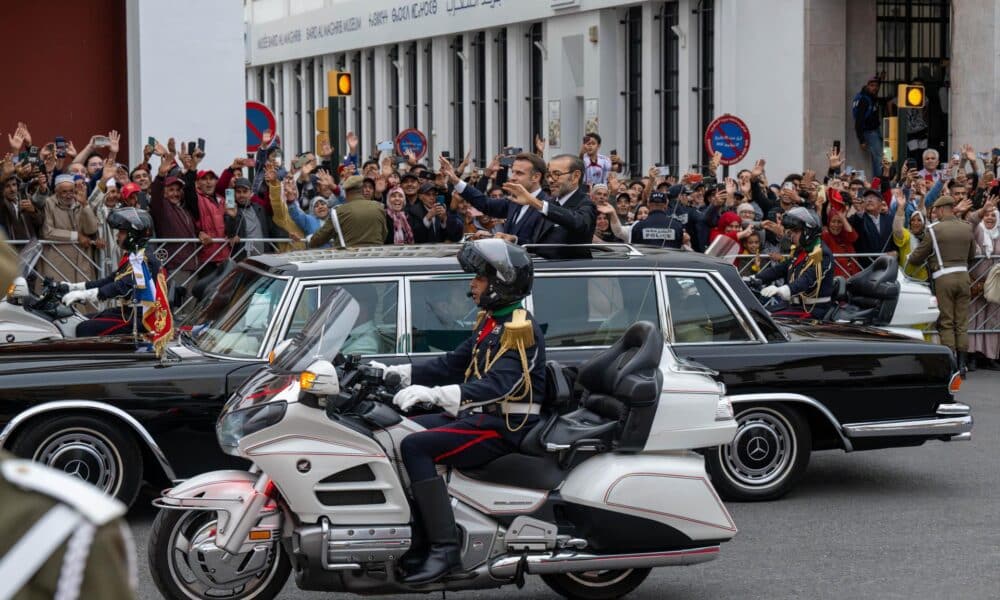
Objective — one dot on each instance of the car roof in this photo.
(416, 258)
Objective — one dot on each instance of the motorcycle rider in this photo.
(490, 389)
(808, 271)
(139, 275)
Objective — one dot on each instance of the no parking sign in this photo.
(729, 136)
(413, 140)
(259, 119)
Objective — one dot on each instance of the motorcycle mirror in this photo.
(320, 379)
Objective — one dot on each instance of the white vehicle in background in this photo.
(597, 496)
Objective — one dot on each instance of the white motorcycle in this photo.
(25, 317)
(596, 497)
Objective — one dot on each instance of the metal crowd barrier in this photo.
(67, 261)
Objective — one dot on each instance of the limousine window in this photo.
(375, 330)
(699, 314)
(441, 314)
(592, 310)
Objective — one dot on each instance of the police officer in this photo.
(490, 389)
(808, 272)
(135, 226)
(661, 228)
(948, 247)
(61, 537)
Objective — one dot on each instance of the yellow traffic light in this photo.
(911, 96)
(339, 83)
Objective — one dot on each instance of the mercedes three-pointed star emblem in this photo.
(757, 448)
(77, 468)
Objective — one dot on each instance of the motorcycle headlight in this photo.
(234, 426)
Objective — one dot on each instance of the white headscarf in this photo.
(990, 235)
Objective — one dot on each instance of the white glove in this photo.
(448, 397)
(402, 370)
(409, 396)
(80, 296)
(75, 287)
(772, 290)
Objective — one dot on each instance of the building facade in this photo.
(478, 75)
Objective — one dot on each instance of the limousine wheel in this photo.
(596, 585)
(767, 456)
(92, 449)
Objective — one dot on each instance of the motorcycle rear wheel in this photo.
(596, 585)
(172, 554)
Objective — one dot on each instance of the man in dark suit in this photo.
(569, 216)
(430, 219)
(874, 228)
(522, 221)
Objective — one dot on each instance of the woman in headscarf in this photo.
(908, 238)
(983, 314)
(839, 237)
(399, 228)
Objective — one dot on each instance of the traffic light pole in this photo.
(334, 106)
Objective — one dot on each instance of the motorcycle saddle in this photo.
(521, 470)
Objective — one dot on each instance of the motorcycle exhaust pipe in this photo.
(506, 567)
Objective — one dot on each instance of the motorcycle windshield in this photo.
(324, 333)
(27, 258)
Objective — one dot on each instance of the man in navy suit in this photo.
(874, 228)
(521, 222)
(569, 216)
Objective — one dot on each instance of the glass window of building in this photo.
(706, 58)
(411, 85)
(479, 97)
(501, 87)
(668, 92)
(633, 88)
(535, 82)
(458, 96)
(394, 75)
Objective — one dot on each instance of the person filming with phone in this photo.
(431, 220)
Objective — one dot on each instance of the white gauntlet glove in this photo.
(448, 397)
(80, 296)
(772, 290)
(402, 370)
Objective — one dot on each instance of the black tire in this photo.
(103, 452)
(596, 585)
(161, 552)
(767, 456)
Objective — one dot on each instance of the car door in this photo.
(440, 314)
(581, 313)
(706, 323)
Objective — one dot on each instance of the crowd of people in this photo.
(319, 199)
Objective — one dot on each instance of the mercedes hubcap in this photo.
(85, 454)
(762, 450)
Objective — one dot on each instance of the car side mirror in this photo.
(320, 379)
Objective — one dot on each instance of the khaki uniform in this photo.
(8, 265)
(948, 247)
(61, 537)
(361, 223)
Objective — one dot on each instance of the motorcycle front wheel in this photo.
(187, 565)
(596, 585)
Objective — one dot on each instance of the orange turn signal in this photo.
(259, 535)
(955, 384)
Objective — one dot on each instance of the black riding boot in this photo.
(431, 496)
(963, 366)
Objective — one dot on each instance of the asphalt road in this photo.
(910, 523)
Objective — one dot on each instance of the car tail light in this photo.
(955, 384)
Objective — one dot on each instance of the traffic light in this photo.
(910, 96)
(339, 83)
